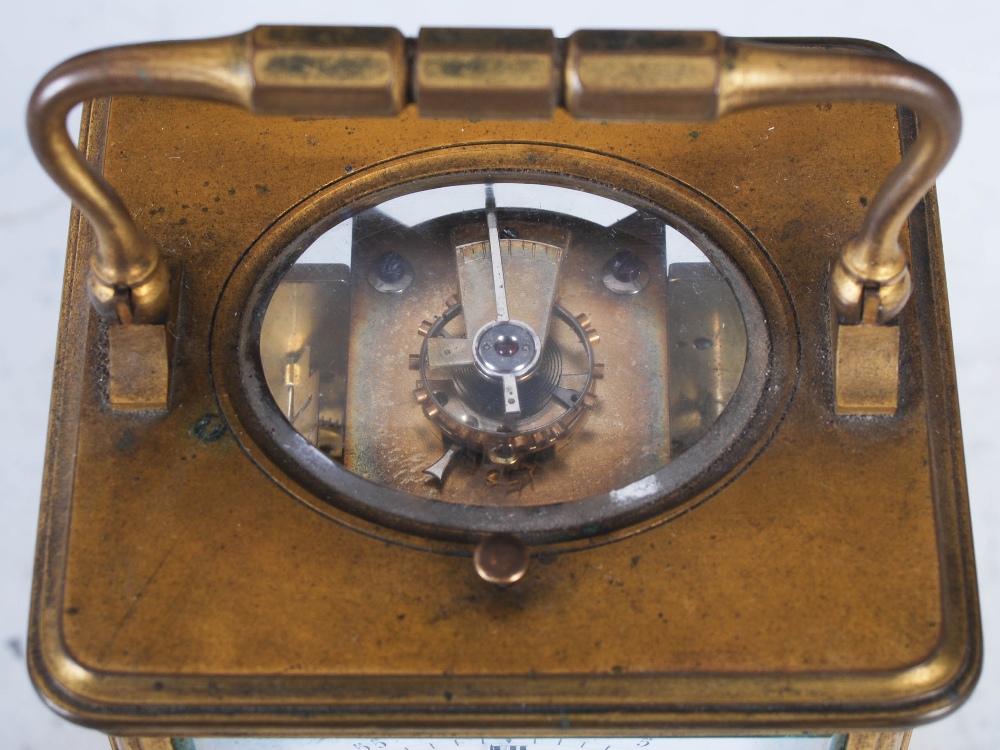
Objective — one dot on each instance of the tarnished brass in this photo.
(295, 70)
(757, 75)
(330, 71)
(866, 365)
(692, 76)
(645, 76)
(867, 369)
(482, 73)
(190, 579)
(138, 368)
(486, 73)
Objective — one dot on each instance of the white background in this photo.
(956, 38)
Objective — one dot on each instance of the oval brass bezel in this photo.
(737, 437)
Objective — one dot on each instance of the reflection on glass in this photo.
(503, 344)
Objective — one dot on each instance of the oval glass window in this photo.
(506, 344)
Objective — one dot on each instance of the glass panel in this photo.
(508, 344)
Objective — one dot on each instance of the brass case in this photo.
(825, 581)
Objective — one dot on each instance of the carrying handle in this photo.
(475, 73)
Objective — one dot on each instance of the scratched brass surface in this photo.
(179, 587)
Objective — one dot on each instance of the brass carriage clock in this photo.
(490, 382)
